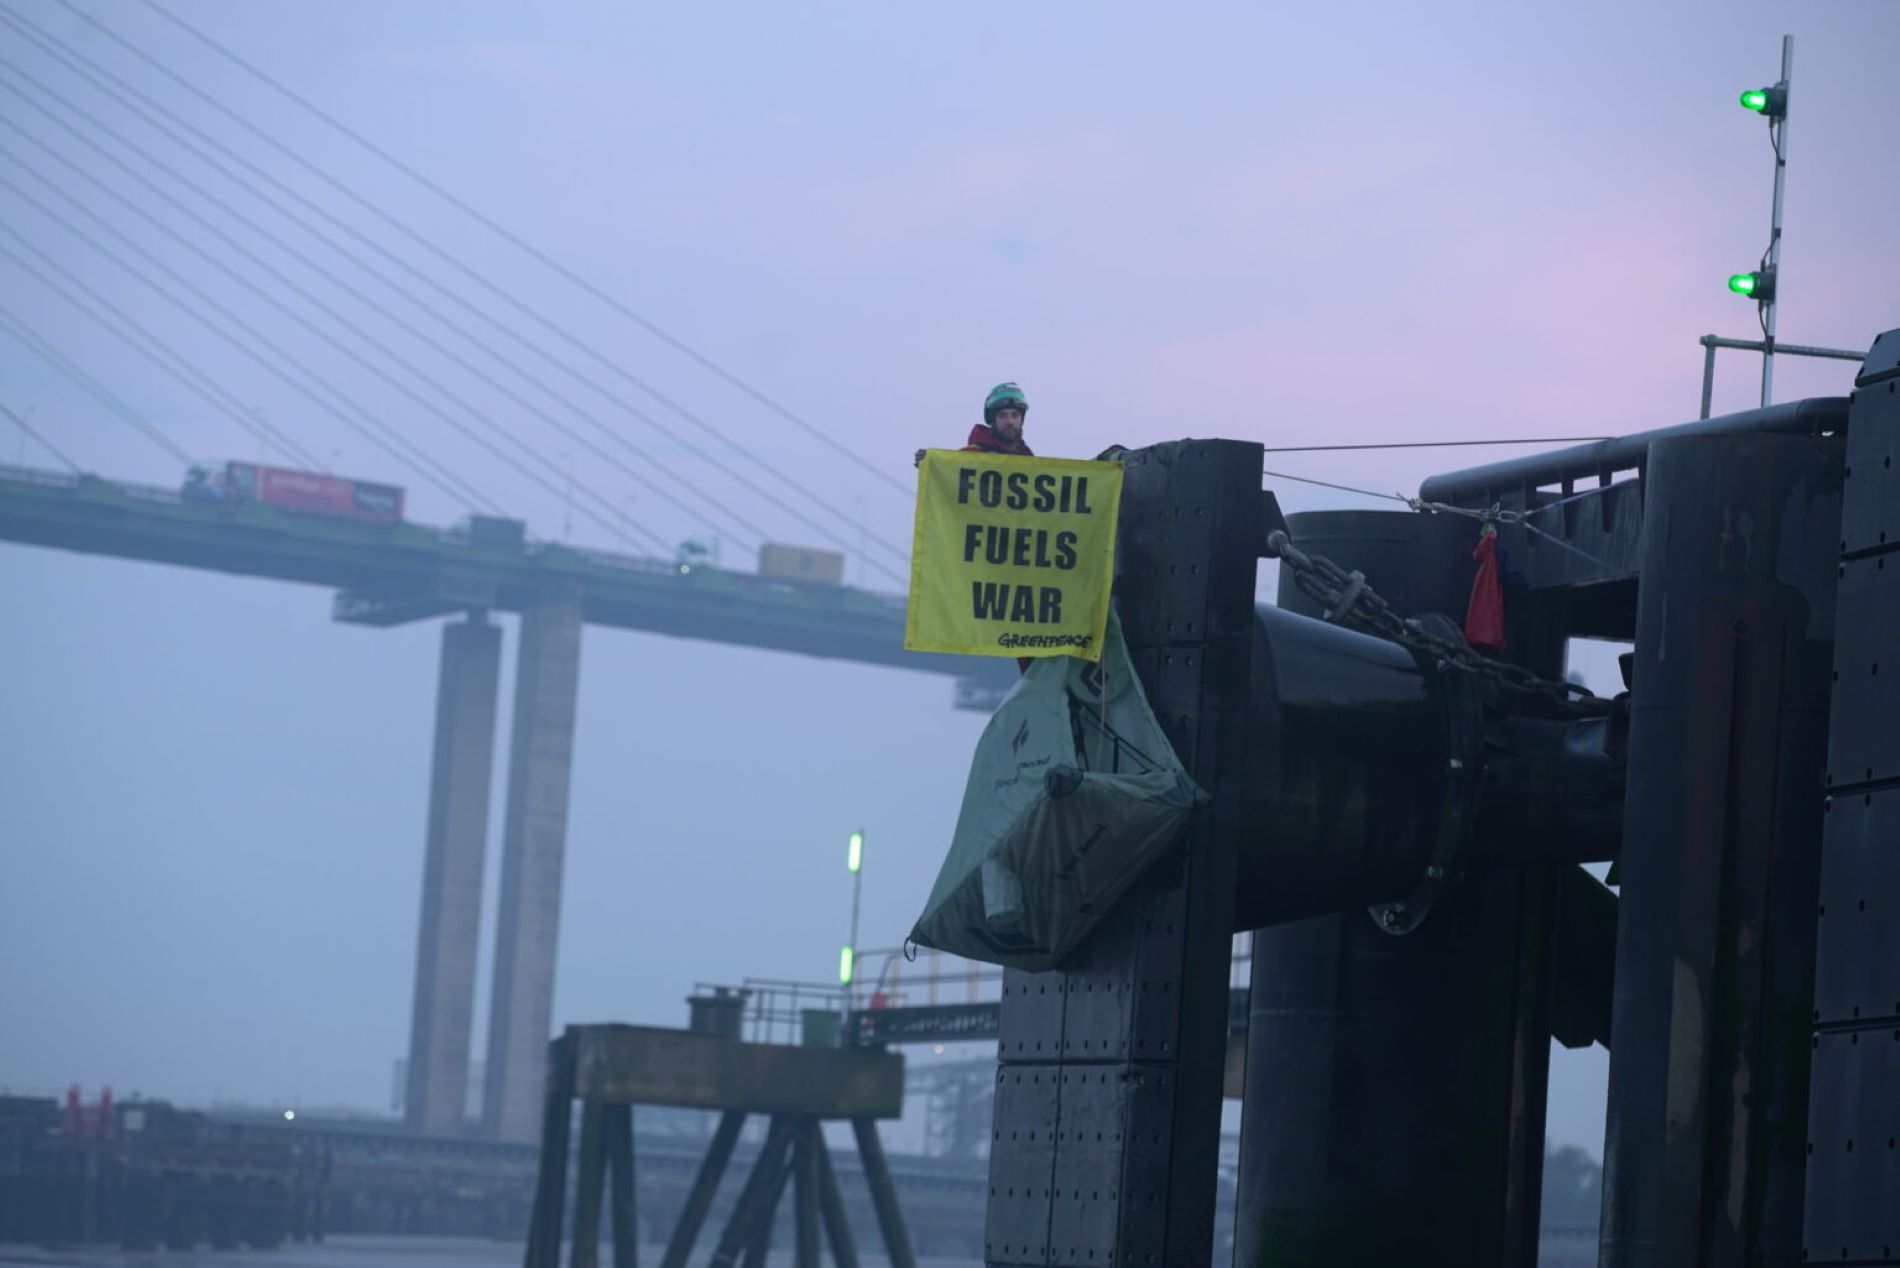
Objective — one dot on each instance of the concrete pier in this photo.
(534, 845)
(436, 1092)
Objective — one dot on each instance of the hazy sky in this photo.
(1287, 222)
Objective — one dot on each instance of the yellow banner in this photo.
(1012, 556)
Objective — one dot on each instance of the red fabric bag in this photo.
(1484, 615)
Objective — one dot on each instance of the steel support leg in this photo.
(805, 1194)
(618, 1139)
(877, 1178)
(844, 1247)
(765, 1226)
(589, 1182)
(550, 1194)
(761, 1190)
(699, 1200)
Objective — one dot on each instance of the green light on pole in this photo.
(1759, 286)
(1772, 102)
(854, 863)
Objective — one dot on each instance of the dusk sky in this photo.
(1291, 223)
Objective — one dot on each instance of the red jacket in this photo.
(983, 440)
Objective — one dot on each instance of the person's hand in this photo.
(920, 459)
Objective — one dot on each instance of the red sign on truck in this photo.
(299, 491)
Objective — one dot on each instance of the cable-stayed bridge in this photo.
(387, 574)
(164, 237)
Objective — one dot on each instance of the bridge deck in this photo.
(387, 574)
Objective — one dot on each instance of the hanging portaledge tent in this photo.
(1068, 802)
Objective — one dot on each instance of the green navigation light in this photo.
(1758, 286)
(854, 859)
(1772, 102)
(847, 962)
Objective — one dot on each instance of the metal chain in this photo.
(1346, 599)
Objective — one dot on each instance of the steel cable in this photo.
(521, 244)
(11, 322)
(289, 283)
(151, 112)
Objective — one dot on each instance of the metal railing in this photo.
(927, 978)
(773, 1010)
(1711, 342)
(151, 493)
(30, 475)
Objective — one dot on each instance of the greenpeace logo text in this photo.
(1045, 640)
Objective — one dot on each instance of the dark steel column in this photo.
(1394, 1106)
(1704, 1155)
(1379, 1115)
(1108, 1106)
(1853, 1183)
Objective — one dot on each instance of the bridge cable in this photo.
(626, 520)
(144, 342)
(384, 311)
(422, 466)
(180, 367)
(171, 362)
(428, 246)
(292, 285)
(45, 444)
(36, 343)
(147, 108)
(506, 235)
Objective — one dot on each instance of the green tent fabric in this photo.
(1070, 798)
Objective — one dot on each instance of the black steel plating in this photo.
(1348, 766)
(1708, 1076)
(1395, 1085)
(1108, 1103)
(1852, 1209)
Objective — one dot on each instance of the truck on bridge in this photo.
(306, 491)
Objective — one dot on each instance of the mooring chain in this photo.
(1347, 599)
